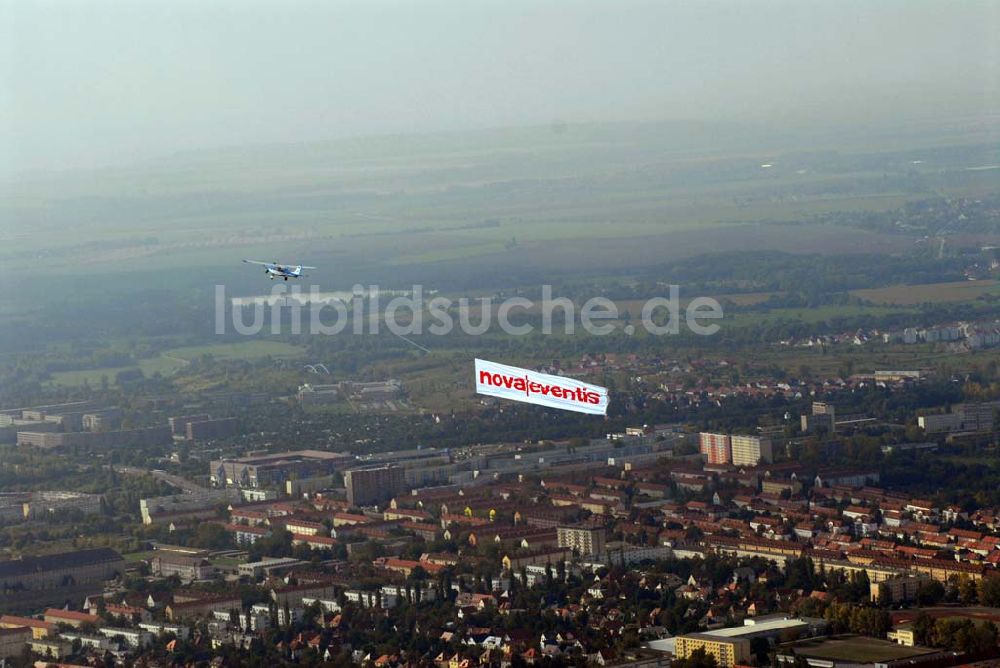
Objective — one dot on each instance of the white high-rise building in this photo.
(750, 450)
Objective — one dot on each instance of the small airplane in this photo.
(284, 271)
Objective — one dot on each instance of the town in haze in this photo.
(500, 334)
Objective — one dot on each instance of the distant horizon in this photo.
(801, 125)
(99, 84)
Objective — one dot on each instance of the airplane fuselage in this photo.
(274, 270)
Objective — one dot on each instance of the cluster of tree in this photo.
(955, 633)
(699, 659)
(971, 484)
(802, 574)
(775, 271)
(847, 617)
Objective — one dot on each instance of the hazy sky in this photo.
(92, 82)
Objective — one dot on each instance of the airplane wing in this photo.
(305, 267)
(265, 264)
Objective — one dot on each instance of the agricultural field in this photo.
(467, 210)
(809, 315)
(935, 293)
(171, 361)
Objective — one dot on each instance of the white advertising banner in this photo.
(516, 384)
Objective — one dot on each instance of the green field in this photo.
(244, 350)
(162, 365)
(935, 293)
(175, 359)
(441, 209)
(810, 315)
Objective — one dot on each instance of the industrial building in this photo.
(192, 505)
(731, 645)
(270, 470)
(54, 570)
(53, 440)
(967, 417)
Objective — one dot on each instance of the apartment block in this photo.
(726, 651)
(750, 450)
(717, 448)
(582, 539)
(367, 486)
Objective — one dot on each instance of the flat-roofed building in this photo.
(582, 539)
(300, 486)
(102, 420)
(773, 627)
(750, 450)
(178, 424)
(202, 607)
(55, 648)
(977, 416)
(895, 376)
(269, 470)
(182, 631)
(314, 394)
(13, 641)
(268, 566)
(727, 652)
(93, 641)
(87, 439)
(932, 424)
(305, 527)
(204, 430)
(814, 423)
(366, 486)
(45, 504)
(192, 505)
(899, 589)
(715, 447)
(186, 567)
(55, 570)
(134, 638)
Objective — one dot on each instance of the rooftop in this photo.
(51, 562)
(856, 649)
(763, 626)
